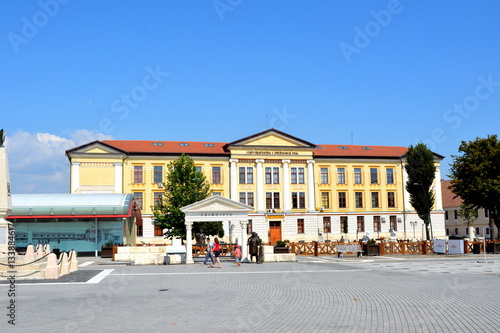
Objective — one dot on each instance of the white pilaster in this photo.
(189, 242)
(286, 186)
(437, 185)
(310, 187)
(260, 186)
(234, 178)
(75, 177)
(5, 204)
(244, 247)
(119, 177)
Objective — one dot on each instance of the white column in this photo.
(286, 186)
(244, 247)
(437, 185)
(310, 186)
(189, 242)
(5, 204)
(119, 177)
(234, 177)
(75, 177)
(260, 187)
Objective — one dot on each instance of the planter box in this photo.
(106, 252)
(371, 249)
(493, 248)
(281, 249)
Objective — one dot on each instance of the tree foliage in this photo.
(183, 186)
(421, 173)
(475, 176)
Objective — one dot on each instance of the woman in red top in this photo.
(217, 253)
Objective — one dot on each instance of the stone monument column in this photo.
(5, 196)
(189, 242)
(244, 239)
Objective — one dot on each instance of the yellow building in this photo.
(299, 190)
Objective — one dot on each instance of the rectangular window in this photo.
(478, 232)
(342, 200)
(276, 175)
(389, 173)
(456, 231)
(376, 224)
(340, 175)
(373, 176)
(391, 199)
(327, 224)
(300, 226)
(249, 227)
(446, 215)
(344, 228)
(324, 176)
(357, 176)
(268, 171)
(246, 198)
(157, 174)
(246, 175)
(467, 231)
(297, 175)
(298, 200)
(138, 199)
(139, 230)
(325, 199)
(486, 213)
(393, 222)
(455, 214)
(158, 231)
(361, 223)
(272, 200)
(216, 175)
(157, 198)
(214, 193)
(358, 199)
(199, 168)
(138, 174)
(375, 201)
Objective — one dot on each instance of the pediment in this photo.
(95, 147)
(216, 204)
(272, 138)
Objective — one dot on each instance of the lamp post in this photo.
(413, 224)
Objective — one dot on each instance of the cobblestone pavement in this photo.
(315, 294)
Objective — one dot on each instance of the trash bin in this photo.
(476, 248)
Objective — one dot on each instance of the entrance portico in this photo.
(216, 209)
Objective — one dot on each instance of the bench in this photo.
(168, 254)
(348, 248)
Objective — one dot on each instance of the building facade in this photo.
(456, 225)
(299, 190)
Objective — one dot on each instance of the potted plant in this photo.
(107, 249)
(371, 248)
(281, 247)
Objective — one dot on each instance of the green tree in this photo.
(183, 186)
(421, 173)
(469, 214)
(475, 176)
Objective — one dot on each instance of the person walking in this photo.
(210, 252)
(216, 253)
(237, 255)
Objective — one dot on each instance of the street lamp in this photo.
(413, 224)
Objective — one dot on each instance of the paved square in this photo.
(316, 294)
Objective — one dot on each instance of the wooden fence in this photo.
(400, 247)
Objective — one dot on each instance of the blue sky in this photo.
(329, 72)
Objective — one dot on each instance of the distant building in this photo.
(299, 190)
(457, 226)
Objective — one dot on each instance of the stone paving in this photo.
(315, 294)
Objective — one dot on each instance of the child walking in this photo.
(237, 255)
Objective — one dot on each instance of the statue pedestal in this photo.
(5, 201)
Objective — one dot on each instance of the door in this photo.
(274, 231)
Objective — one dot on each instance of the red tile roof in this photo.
(218, 148)
(448, 196)
(169, 147)
(360, 151)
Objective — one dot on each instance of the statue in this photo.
(254, 243)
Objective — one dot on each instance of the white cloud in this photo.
(37, 161)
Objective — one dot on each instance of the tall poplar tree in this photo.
(475, 176)
(183, 186)
(421, 173)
